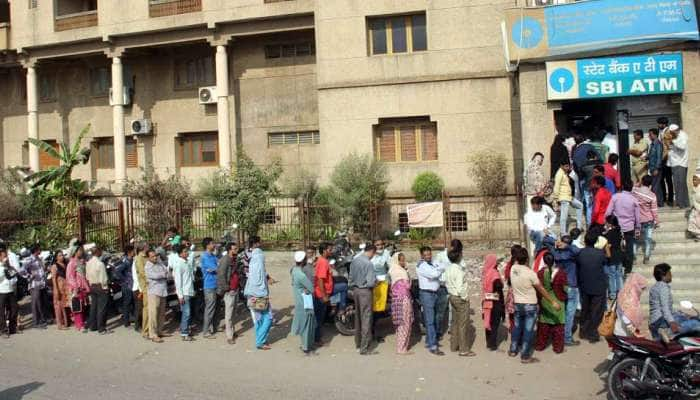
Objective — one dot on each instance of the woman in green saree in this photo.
(551, 322)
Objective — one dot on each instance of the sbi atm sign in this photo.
(615, 77)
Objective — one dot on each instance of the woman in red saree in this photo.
(492, 301)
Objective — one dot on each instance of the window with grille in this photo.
(458, 221)
(282, 138)
(194, 72)
(397, 34)
(47, 86)
(45, 160)
(270, 216)
(33, 3)
(100, 81)
(103, 153)
(403, 222)
(199, 150)
(288, 50)
(406, 140)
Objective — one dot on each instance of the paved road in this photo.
(53, 364)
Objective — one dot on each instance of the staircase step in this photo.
(673, 226)
(679, 270)
(689, 248)
(661, 236)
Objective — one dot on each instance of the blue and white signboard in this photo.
(615, 77)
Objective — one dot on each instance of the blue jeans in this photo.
(571, 306)
(615, 274)
(523, 330)
(687, 325)
(647, 232)
(185, 318)
(428, 301)
(441, 308)
(340, 289)
(538, 237)
(262, 328)
(320, 314)
(588, 200)
(564, 215)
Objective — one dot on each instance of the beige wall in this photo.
(690, 108)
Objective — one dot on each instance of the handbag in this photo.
(308, 301)
(607, 325)
(258, 303)
(76, 305)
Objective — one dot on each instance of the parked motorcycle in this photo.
(646, 369)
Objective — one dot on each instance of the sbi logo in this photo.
(561, 80)
(527, 33)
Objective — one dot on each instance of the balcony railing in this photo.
(161, 8)
(4, 36)
(74, 21)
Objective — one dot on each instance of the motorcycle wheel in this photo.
(629, 368)
(346, 326)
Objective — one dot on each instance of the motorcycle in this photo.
(646, 369)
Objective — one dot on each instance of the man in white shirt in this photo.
(429, 284)
(611, 141)
(678, 162)
(96, 275)
(8, 298)
(539, 221)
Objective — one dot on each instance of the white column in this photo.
(32, 117)
(118, 120)
(222, 109)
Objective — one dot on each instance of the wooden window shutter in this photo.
(408, 143)
(45, 160)
(387, 144)
(429, 143)
(132, 158)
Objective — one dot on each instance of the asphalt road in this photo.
(51, 364)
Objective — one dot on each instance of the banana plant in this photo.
(58, 179)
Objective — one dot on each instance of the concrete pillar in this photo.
(32, 116)
(118, 120)
(222, 107)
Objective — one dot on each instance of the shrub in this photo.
(357, 182)
(490, 173)
(301, 185)
(242, 194)
(161, 200)
(427, 186)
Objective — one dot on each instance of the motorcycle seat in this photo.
(654, 346)
(690, 343)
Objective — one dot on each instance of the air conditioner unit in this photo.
(207, 95)
(141, 126)
(127, 96)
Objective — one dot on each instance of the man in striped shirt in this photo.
(648, 215)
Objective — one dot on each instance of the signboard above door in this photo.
(615, 77)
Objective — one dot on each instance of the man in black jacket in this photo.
(228, 285)
(592, 283)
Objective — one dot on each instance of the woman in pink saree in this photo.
(78, 286)
(401, 302)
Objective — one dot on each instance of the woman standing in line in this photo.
(630, 317)
(492, 301)
(60, 292)
(535, 180)
(78, 286)
(401, 302)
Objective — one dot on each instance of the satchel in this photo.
(76, 305)
(258, 303)
(308, 301)
(607, 325)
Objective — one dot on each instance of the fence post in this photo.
(447, 236)
(302, 203)
(122, 230)
(178, 215)
(81, 222)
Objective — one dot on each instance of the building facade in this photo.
(179, 85)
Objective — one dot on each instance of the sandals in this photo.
(265, 347)
(157, 340)
(467, 354)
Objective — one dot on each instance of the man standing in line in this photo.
(141, 286)
(209, 265)
(323, 288)
(458, 289)
(539, 221)
(625, 207)
(36, 275)
(157, 275)
(563, 193)
(678, 162)
(96, 275)
(126, 280)
(601, 200)
(666, 172)
(655, 159)
(183, 274)
(648, 214)
(227, 280)
(610, 171)
(565, 254)
(8, 298)
(362, 280)
(258, 294)
(310, 266)
(429, 284)
(592, 284)
(638, 152)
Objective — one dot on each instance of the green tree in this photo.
(490, 172)
(58, 180)
(427, 186)
(242, 194)
(357, 182)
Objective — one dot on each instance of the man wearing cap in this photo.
(678, 162)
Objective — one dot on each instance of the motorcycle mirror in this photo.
(397, 233)
(332, 262)
(686, 304)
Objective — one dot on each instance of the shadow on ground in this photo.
(18, 392)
